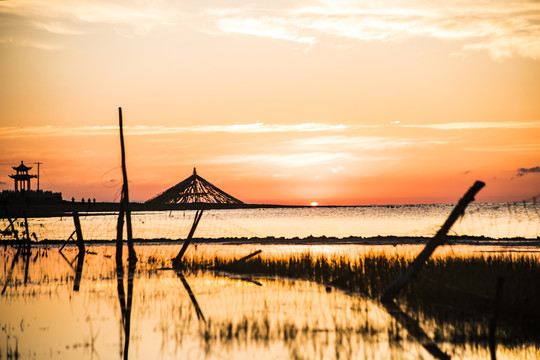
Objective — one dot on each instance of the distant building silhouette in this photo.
(192, 190)
(22, 178)
(22, 187)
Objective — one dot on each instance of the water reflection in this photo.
(413, 328)
(266, 318)
(192, 297)
(126, 302)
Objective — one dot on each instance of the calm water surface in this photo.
(205, 315)
(491, 220)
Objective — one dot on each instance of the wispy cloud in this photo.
(16, 132)
(363, 142)
(13, 41)
(305, 159)
(297, 160)
(505, 29)
(74, 18)
(506, 148)
(476, 125)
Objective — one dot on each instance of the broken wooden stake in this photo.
(245, 258)
(394, 288)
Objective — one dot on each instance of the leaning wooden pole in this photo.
(125, 190)
(178, 258)
(394, 288)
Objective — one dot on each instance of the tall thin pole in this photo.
(38, 163)
(125, 190)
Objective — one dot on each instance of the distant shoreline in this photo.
(317, 240)
(38, 208)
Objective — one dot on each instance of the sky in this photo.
(282, 102)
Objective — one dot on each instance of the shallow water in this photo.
(42, 316)
(490, 220)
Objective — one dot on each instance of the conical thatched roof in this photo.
(194, 189)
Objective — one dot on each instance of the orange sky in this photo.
(275, 102)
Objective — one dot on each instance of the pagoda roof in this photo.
(194, 189)
(21, 167)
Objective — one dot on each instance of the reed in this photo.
(456, 290)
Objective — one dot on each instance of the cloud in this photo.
(478, 125)
(11, 41)
(505, 29)
(296, 160)
(362, 143)
(288, 159)
(524, 171)
(506, 148)
(31, 131)
(32, 17)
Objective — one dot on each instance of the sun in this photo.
(314, 203)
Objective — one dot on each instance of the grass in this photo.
(457, 291)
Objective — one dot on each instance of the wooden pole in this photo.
(394, 288)
(245, 258)
(80, 245)
(125, 189)
(78, 231)
(27, 231)
(119, 233)
(69, 238)
(13, 230)
(178, 258)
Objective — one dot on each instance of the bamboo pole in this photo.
(125, 190)
(417, 264)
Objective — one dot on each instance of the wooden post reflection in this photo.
(126, 302)
(198, 310)
(414, 329)
(10, 272)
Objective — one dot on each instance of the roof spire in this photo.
(194, 171)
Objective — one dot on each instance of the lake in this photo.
(153, 313)
(504, 220)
